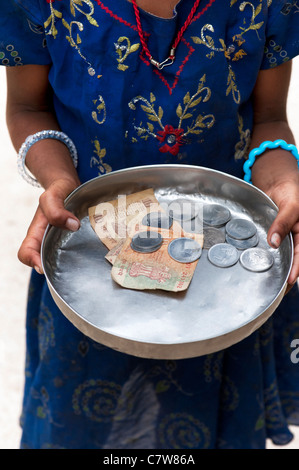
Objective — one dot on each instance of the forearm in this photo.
(29, 110)
(48, 160)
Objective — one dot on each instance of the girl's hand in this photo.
(286, 197)
(50, 211)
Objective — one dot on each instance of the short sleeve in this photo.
(22, 37)
(282, 33)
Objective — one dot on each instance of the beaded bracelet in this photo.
(264, 146)
(32, 139)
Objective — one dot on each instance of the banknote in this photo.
(117, 221)
(114, 220)
(155, 270)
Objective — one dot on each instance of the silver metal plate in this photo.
(220, 307)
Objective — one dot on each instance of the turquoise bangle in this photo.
(264, 146)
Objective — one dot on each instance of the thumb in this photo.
(29, 252)
(282, 225)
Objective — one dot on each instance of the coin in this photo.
(146, 242)
(215, 215)
(256, 259)
(157, 219)
(184, 250)
(212, 236)
(223, 255)
(183, 209)
(240, 229)
(243, 244)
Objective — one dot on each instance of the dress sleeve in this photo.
(282, 41)
(22, 37)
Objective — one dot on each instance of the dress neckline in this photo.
(161, 18)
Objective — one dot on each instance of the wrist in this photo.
(271, 160)
(48, 155)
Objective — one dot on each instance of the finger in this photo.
(294, 274)
(52, 205)
(29, 252)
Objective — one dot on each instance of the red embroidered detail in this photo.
(113, 15)
(203, 11)
(142, 56)
(173, 139)
(178, 73)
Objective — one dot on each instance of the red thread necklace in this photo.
(170, 59)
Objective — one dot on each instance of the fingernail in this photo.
(38, 270)
(275, 240)
(72, 224)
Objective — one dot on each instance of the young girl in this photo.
(147, 82)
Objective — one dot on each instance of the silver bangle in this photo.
(32, 139)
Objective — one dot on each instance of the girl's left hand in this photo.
(286, 197)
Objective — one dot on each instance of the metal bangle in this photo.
(264, 146)
(32, 139)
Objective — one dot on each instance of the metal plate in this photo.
(220, 307)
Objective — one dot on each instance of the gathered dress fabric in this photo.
(122, 112)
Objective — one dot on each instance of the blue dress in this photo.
(122, 112)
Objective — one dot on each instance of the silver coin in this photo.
(241, 229)
(223, 255)
(183, 209)
(146, 242)
(256, 259)
(243, 244)
(157, 219)
(145, 250)
(192, 226)
(184, 250)
(215, 215)
(212, 236)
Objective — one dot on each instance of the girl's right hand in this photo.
(50, 211)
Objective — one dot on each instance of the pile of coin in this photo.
(241, 233)
(215, 215)
(157, 219)
(146, 242)
(183, 210)
(224, 237)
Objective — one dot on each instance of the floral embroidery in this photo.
(97, 160)
(242, 147)
(100, 110)
(234, 51)
(170, 137)
(75, 42)
(173, 139)
(99, 116)
(232, 87)
(123, 51)
(288, 7)
(51, 20)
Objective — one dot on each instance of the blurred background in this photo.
(18, 204)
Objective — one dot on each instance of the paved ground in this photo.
(18, 201)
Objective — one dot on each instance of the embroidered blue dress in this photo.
(121, 112)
